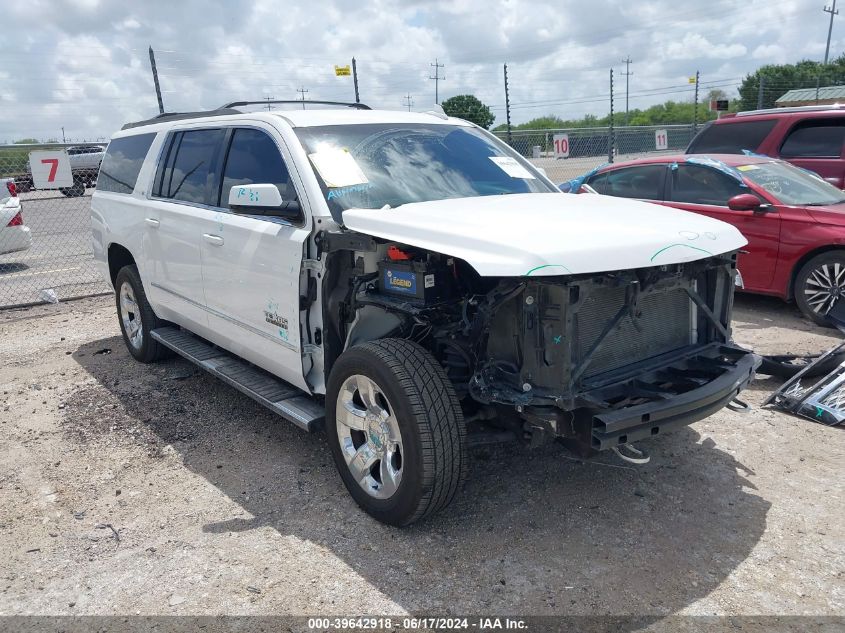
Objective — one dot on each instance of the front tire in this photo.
(396, 430)
(819, 284)
(137, 318)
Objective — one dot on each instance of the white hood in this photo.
(550, 233)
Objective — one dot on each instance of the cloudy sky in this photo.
(84, 65)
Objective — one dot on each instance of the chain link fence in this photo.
(45, 235)
(568, 153)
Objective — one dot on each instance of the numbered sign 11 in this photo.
(561, 143)
(50, 169)
(661, 140)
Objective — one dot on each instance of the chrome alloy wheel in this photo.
(369, 436)
(130, 316)
(824, 287)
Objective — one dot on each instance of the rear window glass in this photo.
(816, 139)
(731, 138)
(122, 163)
(644, 182)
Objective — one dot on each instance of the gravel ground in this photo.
(133, 489)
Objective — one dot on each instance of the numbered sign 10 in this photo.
(50, 169)
(561, 143)
(661, 140)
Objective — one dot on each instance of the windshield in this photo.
(791, 185)
(370, 166)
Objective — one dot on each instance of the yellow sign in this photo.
(342, 71)
(691, 79)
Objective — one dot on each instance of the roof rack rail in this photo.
(177, 116)
(236, 104)
(806, 108)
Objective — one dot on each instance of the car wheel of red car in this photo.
(820, 284)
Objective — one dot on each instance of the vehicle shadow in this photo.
(536, 532)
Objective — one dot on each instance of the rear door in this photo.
(251, 264)
(817, 145)
(174, 222)
(706, 191)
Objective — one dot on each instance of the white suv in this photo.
(401, 279)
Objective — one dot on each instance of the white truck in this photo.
(400, 279)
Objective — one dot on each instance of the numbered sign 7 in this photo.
(50, 169)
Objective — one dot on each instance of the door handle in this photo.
(152, 222)
(215, 240)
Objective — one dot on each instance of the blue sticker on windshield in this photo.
(339, 192)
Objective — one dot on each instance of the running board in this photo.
(275, 394)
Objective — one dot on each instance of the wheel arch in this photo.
(118, 257)
(790, 291)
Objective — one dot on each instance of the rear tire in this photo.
(819, 284)
(78, 188)
(137, 318)
(396, 430)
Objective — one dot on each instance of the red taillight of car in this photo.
(13, 190)
(17, 220)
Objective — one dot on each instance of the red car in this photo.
(812, 137)
(793, 220)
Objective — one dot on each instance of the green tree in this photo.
(470, 108)
(779, 79)
(27, 141)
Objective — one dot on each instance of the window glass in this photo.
(731, 138)
(644, 182)
(401, 163)
(791, 185)
(189, 169)
(254, 159)
(820, 139)
(122, 163)
(704, 185)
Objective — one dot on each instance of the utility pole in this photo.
(408, 101)
(155, 81)
(63, 134)
(695, 103)
(760, 92)
(355, 80)
(627, 61)
(437, 79)
(611, 141)
(507, 105)
(269, 99)
(302, 91)
(833, 12)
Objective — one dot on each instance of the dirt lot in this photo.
(155, 489)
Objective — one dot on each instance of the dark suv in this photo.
(810, 137)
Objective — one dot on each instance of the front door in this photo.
(706, 190)
(251, 265)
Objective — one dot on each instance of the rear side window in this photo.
(815, 139)
(731, 138)
(188, 168)
(122, 163)
(254, 159)
(644, 182)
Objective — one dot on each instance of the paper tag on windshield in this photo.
(338, 168)
(511, 167)
(747, 167)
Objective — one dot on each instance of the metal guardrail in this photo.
(56, 261)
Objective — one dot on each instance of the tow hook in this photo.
(740, 406)
(632, 455)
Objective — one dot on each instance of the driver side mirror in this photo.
(747, 202)
(262, 199)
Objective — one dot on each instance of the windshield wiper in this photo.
(821, 204)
